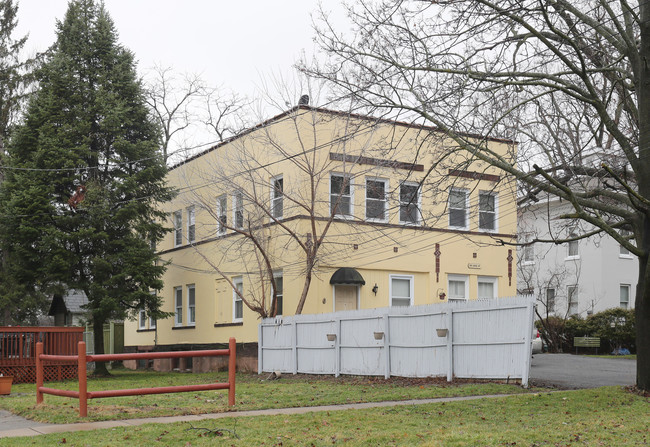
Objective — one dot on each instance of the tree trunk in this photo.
(642, 316)
(98, 329)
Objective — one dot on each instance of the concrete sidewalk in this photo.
(14, 426)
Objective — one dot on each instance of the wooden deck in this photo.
(18, 348)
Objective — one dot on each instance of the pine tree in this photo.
(86, 176)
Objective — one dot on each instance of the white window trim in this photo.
(273, 198)
(235, 298)
(418, 204)
(177, 229)
(576, 299)
(152, 323)
(176, 307)
(278, 274)
(142, 319)
(453, 227)
(569, 257)
(386, 207)
(191, 221)
(191, 323)
(496, 212)
(491, 279)
(342, 216)
(221, 229)
(411, 280)
(455, 277)
(526, 240)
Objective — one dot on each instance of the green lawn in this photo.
(608, 416)
(252, 392)
(607, 356)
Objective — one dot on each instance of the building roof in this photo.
(73, 300)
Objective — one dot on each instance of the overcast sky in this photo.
(231, 44)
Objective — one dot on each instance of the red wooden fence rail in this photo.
(83, 394)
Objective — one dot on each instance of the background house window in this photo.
(178, 228)
(152, 323)
(191, 305)
(458, 287)
(142, 319)
(409, 211)
(487, 287)
(401, 290)
(376, 199)
(458, 208)
(238, 304)
(573, 249)
(624, 252)
(625, 296)
(277, 197)
(340, 195)
(222, 214)
(178, 303)
(487, 211)
(528, 252)
(191, 225)
(550, 300)
(279, 292)
(238, 210)
(572, 298)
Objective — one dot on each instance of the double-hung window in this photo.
(238, 304)
(178, 228)
(191, 225)
(527, 250)
(222, 214)
(624, 292)
(458, 287)
(191, 305)
(401, 290)
(487, 211)
(550, 300)
(487, 287)
(340, 195)
(572, 298)
(376, 199)
(409, 207)
(238, 210)
(458, 208)
(142, 319)
(279, 295)
(178, 303)
(573, 248)
(277, 197)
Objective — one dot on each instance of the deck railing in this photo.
(18, 347)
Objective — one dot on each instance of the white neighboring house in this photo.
(580, 277)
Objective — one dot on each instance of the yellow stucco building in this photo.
(383, 214)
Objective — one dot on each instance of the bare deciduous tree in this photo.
(567, 79)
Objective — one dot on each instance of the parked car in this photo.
(537, 342)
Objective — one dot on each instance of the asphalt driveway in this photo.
(579, 371)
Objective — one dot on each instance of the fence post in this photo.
(337, 348)
(39, 372)
(528, 342)
(387, 346)
(450, 345)
(83, 389)
(294, 345)
(260, 348)
(232, 365)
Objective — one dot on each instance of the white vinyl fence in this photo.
(483, 339)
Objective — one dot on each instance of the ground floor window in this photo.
(178, 302)
(279, 295)
(572, 298)
(458, 287)
(487, 287)
(191, 305)
(401, 290)
(238, 304)
(625, 296)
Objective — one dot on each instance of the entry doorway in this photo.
(346, 297)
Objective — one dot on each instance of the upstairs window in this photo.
(487, 214)
(191, 225)
(238, 210)
(277, 197)
(376, 200)
(573, 248)
(222, 214)
(340, 195)
(178, 228)
(409, 200)
(458, 208)
(527, 250)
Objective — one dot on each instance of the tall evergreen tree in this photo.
(86, 176)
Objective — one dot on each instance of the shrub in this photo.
(615, 327)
